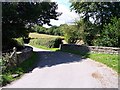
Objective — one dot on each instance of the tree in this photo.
(39, 29)
(109, 35)
(100, 12)
(70, 32)
(18, 17)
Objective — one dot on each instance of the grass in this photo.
(111, 60)
(43, 47)
(24, 67)
(36, 35)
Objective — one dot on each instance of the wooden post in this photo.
(15, 55)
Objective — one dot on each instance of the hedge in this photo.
(47, 42)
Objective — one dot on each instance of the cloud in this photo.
(67, 15)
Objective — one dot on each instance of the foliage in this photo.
(20, 70)
(6, 78)
(100, 12)
(26, 40)
(70, 32)
(39, 29)
(20, 41)
(47, 42)
(53, 30)
(109, 35)
(10, 43)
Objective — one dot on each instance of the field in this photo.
(36, 35)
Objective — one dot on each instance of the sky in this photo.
(67, 16)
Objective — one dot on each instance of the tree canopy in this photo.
(101, 12)
(18, 17)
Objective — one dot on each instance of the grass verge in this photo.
(24, 67)
(111, 60)
(43, 47)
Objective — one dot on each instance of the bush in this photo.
(6, 78)
(26, 40)
(8, 44)
(19, 44)
(20, 41)
(47, 42)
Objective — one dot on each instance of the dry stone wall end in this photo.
(24, 54)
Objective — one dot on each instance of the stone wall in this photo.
(86, 49)
(109, 50)
(24, 54)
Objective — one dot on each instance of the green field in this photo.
(36, 35)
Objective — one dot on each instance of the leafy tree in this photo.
(39, 29)
(55, 30)
(110, 34)
(18, 17)
(71, 33)
(86, 31)
(101, 12)
(51, 30)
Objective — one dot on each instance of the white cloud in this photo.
(66, 17)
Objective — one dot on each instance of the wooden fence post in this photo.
(15, 55)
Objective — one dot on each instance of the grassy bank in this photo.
(24, 67)
(111, 60)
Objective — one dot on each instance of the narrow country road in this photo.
(65, 70)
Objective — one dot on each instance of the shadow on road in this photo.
(51, 58)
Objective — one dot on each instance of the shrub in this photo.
(26, 40)
(8, 44)
(6, 78)
(19, 43)
(47, 42)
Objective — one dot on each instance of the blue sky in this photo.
(67, 16)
